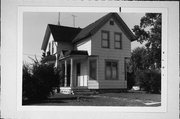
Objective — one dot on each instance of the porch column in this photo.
(65, 75)
(71, 75)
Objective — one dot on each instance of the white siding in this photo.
(85, 45)
(84, 73)
(82, 80)
(58, 46)
(111, 53)
(93, 84)
(51, 39)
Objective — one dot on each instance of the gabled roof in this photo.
(94, 27)
(73, 35)
(60, 34)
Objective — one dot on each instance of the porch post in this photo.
(65, 76)
(71, 76)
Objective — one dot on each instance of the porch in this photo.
(74, 66)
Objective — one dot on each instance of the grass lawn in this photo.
(105, 99)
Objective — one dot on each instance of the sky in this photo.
(35, 23)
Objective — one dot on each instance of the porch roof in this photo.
(73, 53)
(76, 52)
(49, 58)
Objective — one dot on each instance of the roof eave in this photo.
(46, 38)
(125, 28)
(79, 40)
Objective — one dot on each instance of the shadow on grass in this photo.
(49, 100)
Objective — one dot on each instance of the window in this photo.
(111, 70)
(111, 22)
(52, 47)
(105, 39)
(92, 69)
(49, 47)
(117, 40)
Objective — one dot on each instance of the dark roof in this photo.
(73, 35)
(94, 27)
(60, 34)
(63, 33)
(74, 52)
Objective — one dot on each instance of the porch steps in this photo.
(76, 91)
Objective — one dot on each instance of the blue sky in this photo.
(34, 26)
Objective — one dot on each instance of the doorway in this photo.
(78, 73)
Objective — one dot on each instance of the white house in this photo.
(93, 57)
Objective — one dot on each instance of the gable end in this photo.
(46, 38)
(94, 27)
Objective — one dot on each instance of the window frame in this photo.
(52, 48)
(108, 39)
(117, 64)
(115, 40)
(49, 49)
(92, 78)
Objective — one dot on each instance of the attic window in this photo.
(111, 22)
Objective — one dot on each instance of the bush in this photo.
(149, 80)
(27, 81)
(39, 82)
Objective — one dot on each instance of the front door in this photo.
(81, 73)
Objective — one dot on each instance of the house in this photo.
(93, 57)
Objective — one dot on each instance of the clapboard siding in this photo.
(112, 85)
(54, 45)
(85, 45)
(93, 84)
(111, 53)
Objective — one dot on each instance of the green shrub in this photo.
(149, 80)
(38, 83)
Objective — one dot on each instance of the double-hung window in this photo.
(105, 39)
(117, 40)
(111, 70)
(49, 49)
(52, 47)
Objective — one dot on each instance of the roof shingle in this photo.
(63, 33)
(60, 34)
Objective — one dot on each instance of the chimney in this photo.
(59, 19)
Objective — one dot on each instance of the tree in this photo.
(149, 31)
(148, 79)
(39, 81)
(139, 60)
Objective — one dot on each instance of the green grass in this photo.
(105, 99)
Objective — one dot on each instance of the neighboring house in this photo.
(93, 57)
